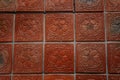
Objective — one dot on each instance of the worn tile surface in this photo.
(89, 5)
(59, 5)
(114, 77)
(6, 27)
(114, 57)
(28, 58)
(29, 27)
(4, 77)
(5, 58)
(90, 27)
(59, 58)
(90, 58)
(61, 28)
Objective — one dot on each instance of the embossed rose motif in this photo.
(89, 2)
(3, 58)
(91, 58)
(115, 26)
(5, 3)
(3, 28)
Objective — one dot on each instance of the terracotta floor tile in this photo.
(29, 27)
(90, 58)
(28, 58)
(90, 27)
(30, 5)
(27, 77)
(59, 58)
(114, 77)
(58, 77)
(7, 5)
(59, 27)
(113, 5)
(89, 5)
(113, 26)
(91, 77)
(4, 77)
(59, 5)
(6, 26)
(5, 58)
(114, 57)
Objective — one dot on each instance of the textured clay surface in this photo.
(113, 26)
(90, 77)
(114, 57)
(29, 27)
(89, 5)
(113, 5)
(59, 5)
(58, 77)
(30, 5)
(6, 26)
(59, 27)
(27, 77)
(90, 27)
(28, 58)
(5, 58)
(114, 77)
(90, 58)
(59, 58)
(5, 78)
(7, 5)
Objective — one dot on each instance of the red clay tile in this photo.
(5, 77)
(27, 77)
(59, 58)
(5, 58)
(29, 27)
(114, 77)
(91, 77)
(113, 26)
(58, 77)
(90, 58)
(89, 5)
(6, 26)
(28, 58)
(7, 5)
(114, 57)
(30, 5)
(113, 5)
(90, 27)
(59, 27)
(59, 5)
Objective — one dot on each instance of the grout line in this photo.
(14, 15)
(74, 46)
(105, 39)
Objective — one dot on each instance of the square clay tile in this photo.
(114, 57)
(59, 5)
(29, 27)
(6, 26)
(7, 5)
(27, 77)
(4, 77)
(114, 77)
(91, 77)
(59, 58)
(113, 5)
(58, 77)
(59, 27)
(90, 58)
(89, 5)
(5, 58)
(90, 27)
(30, 5)
(113, 26)
(28, 58)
